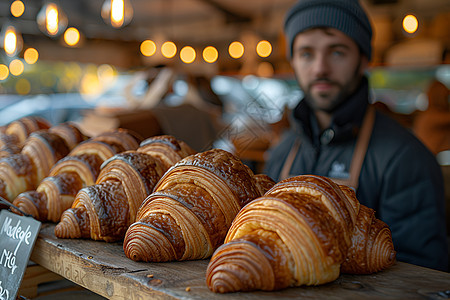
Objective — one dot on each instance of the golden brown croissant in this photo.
(371, 249)
(105, 210)
(264, 183)
(166, 148)
(70, 132)
(9, 149)
(124, 182)
(44, 149)
(23, 171)
(23, 127)
(303, 231)
(9, 141)
(79, 169)
(123, 138)
(16, 175)
(191, 208)
(56, 192)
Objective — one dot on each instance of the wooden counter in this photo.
(104, 269)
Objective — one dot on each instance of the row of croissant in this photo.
(168, 203)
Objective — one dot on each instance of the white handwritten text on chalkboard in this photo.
(4, 294)
(8, 258)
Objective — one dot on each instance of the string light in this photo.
(410, 24)
(16, 67)
(11, 40)
(148, 48)
(117, 13)
(187, 54)
(264, 48)
(236, 49)
(210, 54)
(71, 36)
(4, 72)
(31, 56)
(17, 8)
(168, 49)
(51, 20)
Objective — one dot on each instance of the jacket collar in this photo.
(346, 120)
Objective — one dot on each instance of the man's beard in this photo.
(345, 90)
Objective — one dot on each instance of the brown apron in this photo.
(358, 155)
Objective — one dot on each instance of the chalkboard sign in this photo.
(17, 237)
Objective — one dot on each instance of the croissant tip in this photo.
(392, 258)
(393, 255)
(28, 207)
(68, 227)
(220, 287)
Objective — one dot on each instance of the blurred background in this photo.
(96, 62)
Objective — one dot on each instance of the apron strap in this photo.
(289, 160)
(359, 154)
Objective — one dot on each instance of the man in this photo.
(336, 133)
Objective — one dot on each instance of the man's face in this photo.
(328, 66)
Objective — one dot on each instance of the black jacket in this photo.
(400, 178)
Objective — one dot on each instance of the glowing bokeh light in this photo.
(31, 56)
(148, 48)
(168, 49)
(236, 49)
(187, 54)
(10, 42)
(117, 12)
(16, 67)
(17, 8)
(4, 72)
(71, 36)
(210, 54)
(264, 48)
(52, 19)
(410, 23)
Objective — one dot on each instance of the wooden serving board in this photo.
(104, 269)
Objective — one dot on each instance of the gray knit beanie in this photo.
(345, 15)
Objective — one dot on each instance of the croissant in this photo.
(192, 206)
(71, 134)
(56, 192)
(264, 183)
(124, 138)
(8, 141)
(166, 148)
(105, 210)
(79, 169)
(20, 129)
(44, 149)
(8, 149)
(16, 175)
(23, 171)
(304, 231)
(371, 249)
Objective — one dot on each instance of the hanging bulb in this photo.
(51, 19)
(17, 8)
(11, 40)
(117, 13)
